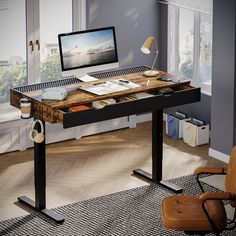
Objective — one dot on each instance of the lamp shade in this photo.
(146, 48)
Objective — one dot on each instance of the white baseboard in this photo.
(132, 121)
(13, 135)
(143, 117)
(56, 133)
(104, 126)
(148, 117)
(218, 155)
(164, 117)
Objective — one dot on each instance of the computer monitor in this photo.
(88, 51)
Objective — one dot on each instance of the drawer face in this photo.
(182, 97)
(157, 102)
(94, 115)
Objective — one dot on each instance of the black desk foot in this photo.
(50, 214)
(164, 183)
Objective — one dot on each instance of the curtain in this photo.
(4, 5)
(197, 5)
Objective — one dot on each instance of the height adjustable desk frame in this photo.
(183, 94)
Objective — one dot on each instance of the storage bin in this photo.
(195, 132)
(174, 124)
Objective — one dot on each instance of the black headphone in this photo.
(34, 135)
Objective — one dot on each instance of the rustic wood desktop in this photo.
(165, 94)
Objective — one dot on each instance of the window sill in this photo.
(205, 89)
(206, 93)
(9, 113)
(10, 116)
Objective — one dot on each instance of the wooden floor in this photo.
(93, 166)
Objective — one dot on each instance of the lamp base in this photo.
(150, 73)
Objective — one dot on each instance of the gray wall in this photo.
(223, 89)
(134, 21)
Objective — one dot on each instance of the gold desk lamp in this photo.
(146, 49)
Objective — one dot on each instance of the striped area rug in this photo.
(132, 212)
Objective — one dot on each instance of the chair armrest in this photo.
(215, 196)
(209, 170)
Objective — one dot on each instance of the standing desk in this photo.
(165, 94)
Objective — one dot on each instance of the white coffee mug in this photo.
(25, 106)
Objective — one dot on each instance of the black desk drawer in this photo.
(72, 119)
(157, 102)
(177, 98)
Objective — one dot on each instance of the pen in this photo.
(124, 81)
(99, 83)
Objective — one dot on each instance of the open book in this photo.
(107, 87)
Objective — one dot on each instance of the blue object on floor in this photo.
(173, 127)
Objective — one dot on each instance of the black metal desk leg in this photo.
(40, 181)
(40, 175)
(157, 154)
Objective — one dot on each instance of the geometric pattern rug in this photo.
(134, 212)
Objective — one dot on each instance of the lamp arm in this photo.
(154, 62)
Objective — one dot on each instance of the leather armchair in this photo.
(204, 213)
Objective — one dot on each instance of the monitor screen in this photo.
(88, 51)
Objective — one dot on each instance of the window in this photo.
(55, 18)
(205, 50)
(190, 43)
(29, 45)
(13, 60)
(186, 44)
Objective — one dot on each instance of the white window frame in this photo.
(79, 14)
(173, 46)
(32, 32)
